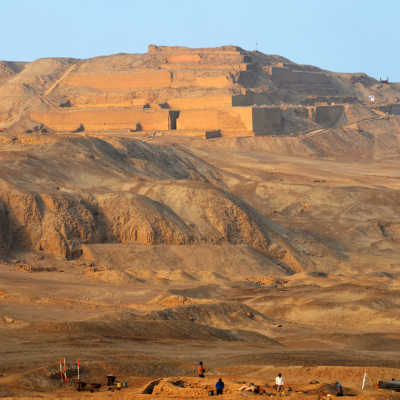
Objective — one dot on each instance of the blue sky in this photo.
(338, 35)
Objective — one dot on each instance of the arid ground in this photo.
(142, 253)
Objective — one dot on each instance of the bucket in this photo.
(124, 384)
(119, 384)
(211, 392)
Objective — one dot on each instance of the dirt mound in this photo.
(150, 330)
(8, 320)
(324, 389)
(220, 315)
(211, 277)
(156, 212)
(268, 280)
(177, 275)
(144, 262)
(174, 297)
(6, 70)
(353, 142)
(112, 276)
(36, 268)
(200, 293)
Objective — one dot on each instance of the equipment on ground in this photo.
(391, 385)
(95, 387)
(63, 372)
(365, 376)
(80, 386)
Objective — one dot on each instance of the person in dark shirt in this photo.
(220, 386)
(339, 389)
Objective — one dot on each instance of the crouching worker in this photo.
(201, 370)
(220, 386)
(339, 389)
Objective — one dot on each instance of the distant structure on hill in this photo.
(206, 92)
(384, 81)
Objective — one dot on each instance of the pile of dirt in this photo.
(208, 263)
(220, 315)
(267, 280)
(152, 330)
(8, 320)
(199, 293)
(111, 276)
(35, 268)
(6, 71)
(156, 212)
(175, 297)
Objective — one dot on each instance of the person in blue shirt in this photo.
(220, 386)
(339, 389)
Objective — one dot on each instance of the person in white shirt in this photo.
(279, 384)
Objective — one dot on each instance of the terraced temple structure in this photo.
(210, 92)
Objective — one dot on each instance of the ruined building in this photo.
(223, 91)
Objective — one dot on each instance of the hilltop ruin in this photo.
(210, 92)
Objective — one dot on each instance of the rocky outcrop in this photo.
(172, 214)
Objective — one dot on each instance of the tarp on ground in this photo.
(394, 385)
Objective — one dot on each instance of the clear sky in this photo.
(338, 35)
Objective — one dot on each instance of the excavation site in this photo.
(189, 215)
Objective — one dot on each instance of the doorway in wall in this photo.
(173, 116)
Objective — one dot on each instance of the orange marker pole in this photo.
(78, 370)
(61, 372)
(65, 372)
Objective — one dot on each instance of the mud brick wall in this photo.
(283, 75)
(395, 109)
(328, 116)
(266, 120)
(161, 79)
(311, 77)
(241, 67)
(180, 103)
(203, 78)
(214, 119)
(98, 120)
(184, 58)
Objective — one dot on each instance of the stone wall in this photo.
(266, 120)
(328, 116)
(248, 99)
(240, 66)
(182, 103)
(261, 120)
(216, 119)
(396, 109)
(183, 78)
(160, 79)
(307, 77)
(283, 75)
(103, 120)
(153, 49)
(184, 58)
